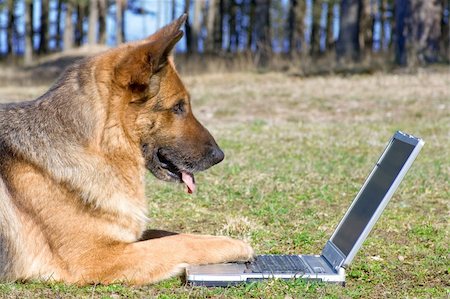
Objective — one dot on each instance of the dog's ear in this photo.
(136, 67)
(170, 29)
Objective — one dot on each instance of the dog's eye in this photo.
(179, 108)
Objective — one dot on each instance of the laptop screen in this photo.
(372, 195)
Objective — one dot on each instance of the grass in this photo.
(297, 150)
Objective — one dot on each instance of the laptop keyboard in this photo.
(278, 264)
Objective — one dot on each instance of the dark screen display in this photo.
(371, 196)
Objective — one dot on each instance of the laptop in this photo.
(344, 243)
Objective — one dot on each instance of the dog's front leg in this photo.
(156, 259)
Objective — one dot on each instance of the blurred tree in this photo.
(233, 34)
(315, 27)
(79, 30)
(218, 25)
(28, 55)
(2, 7)
(212, 12)
(388, 18)
(43, 30)
(68, 35)
(120, 21)
(401, 10)
(158, 13)
(187, 27)
(383, 32)
(174, 9)
(329, 44)
(196, 25)
(419, 28)
(366, 26)
(278, 26)
(347, 46)
(425, 27)
(250, 27)
(262, 33)
(445, 30)
(102, 13)
(291, 25)
(10, 28)
(93, 22)
(58, 36)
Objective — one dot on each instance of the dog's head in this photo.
(159, 116)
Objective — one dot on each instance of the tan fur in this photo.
(72, 166)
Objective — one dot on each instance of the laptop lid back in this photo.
(371, 200)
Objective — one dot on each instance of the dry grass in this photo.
(278, 98)
(297, 150)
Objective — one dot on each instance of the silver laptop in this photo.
(346, 240)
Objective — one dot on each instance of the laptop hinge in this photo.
(333, 255)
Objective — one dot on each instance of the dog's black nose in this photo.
(216, 155)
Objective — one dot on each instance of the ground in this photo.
(297, 151)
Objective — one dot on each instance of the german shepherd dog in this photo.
(72, 167)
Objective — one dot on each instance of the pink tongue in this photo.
(189, 180)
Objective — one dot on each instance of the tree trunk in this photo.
(43, 33)
(262, 33)
(158, 14)
(347, 46)
(291, 23)
(218, 23)
(330, 26)
(366, 27)
(187, 27)
(58, 25)
(383, 33)
(250, 27)
(241, 26)
(174, 9)
(28, 55)
(124, 7)
(444, 46)
(93, 19)
(315, 29)
(196, 25)
(120, 21)
(119, 15)
(433, 30)
(79, 31)
(401, 9)
(102, 12)
(68, 37)
(425, 27)
(10, 29)
(1, 43)
(300, 28)
(232, 9)
(212, 12)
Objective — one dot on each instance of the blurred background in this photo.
(306, 37)
(302, 96)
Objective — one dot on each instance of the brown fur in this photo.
(72, 165)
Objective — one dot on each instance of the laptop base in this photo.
(306, 267)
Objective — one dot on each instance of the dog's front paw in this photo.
(248, 252)
(203, 249)
(240, 251)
